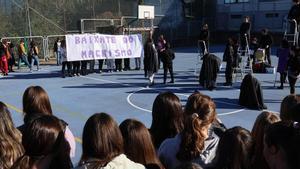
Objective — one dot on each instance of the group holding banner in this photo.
(100, 46)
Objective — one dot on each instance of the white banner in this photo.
(100, 46)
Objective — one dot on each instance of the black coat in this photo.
(251, 95)
(266, 40)
(294, 13)
(245, 28)
(209, 70)
(167, 56)
(150, 57)
(204, 35)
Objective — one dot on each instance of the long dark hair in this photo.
(285, 136)
(138, 144)
(11, 139)
(234, 149)
(167, 117)
(42, 138)
(198, 118)
(35, 101)
(101, 140)
(264, 120)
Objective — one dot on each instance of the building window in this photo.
(272, 15)
(235, 1)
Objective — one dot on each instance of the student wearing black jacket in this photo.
(229, 58)
(293, 68)
(245, 33)
(294, 13)
(266, 41)
(167, 59)
(204, 37)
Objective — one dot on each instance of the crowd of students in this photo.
(179, 138)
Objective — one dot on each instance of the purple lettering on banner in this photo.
(123, 53)
(129, 52)
(83, 40)
(117, 52)
(125, 39)
(98, 53)
(91, 39)
(131, 39)
(107, 39)
(104, 53)
(91, 54)
(102, 39)
(113, 40)
(96, 38)
(83, 54)
(109, 52)
(77, 40)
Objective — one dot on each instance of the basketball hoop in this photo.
(145, 12)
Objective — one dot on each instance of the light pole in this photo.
(119, 8)
(28, 17)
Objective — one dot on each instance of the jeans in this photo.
(137, 63)
(58, 58)
(24, 58)
(35, 58)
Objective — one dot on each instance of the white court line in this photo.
(135, 106)
(143, 88)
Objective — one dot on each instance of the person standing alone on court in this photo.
(161, 46)
(167, 58)
(150, 60)
(204, 39)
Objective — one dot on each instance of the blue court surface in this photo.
(124, 94)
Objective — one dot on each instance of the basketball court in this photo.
(125, 95)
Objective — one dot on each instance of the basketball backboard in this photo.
(146, 12)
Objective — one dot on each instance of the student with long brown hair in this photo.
(234, 149)
(11, 139)
(138, 145)
(287, 104)
(45, 145)
(264, 120)
(167, 117)
(102, 145)
(36, 103)
(282, 148)
(194, 105)
(197, 142)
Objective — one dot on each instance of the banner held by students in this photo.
(100, 46)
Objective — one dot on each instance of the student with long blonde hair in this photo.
(10, 139)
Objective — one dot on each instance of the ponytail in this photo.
(201, 112)
(193, 137)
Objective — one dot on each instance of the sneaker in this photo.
(172, 81)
